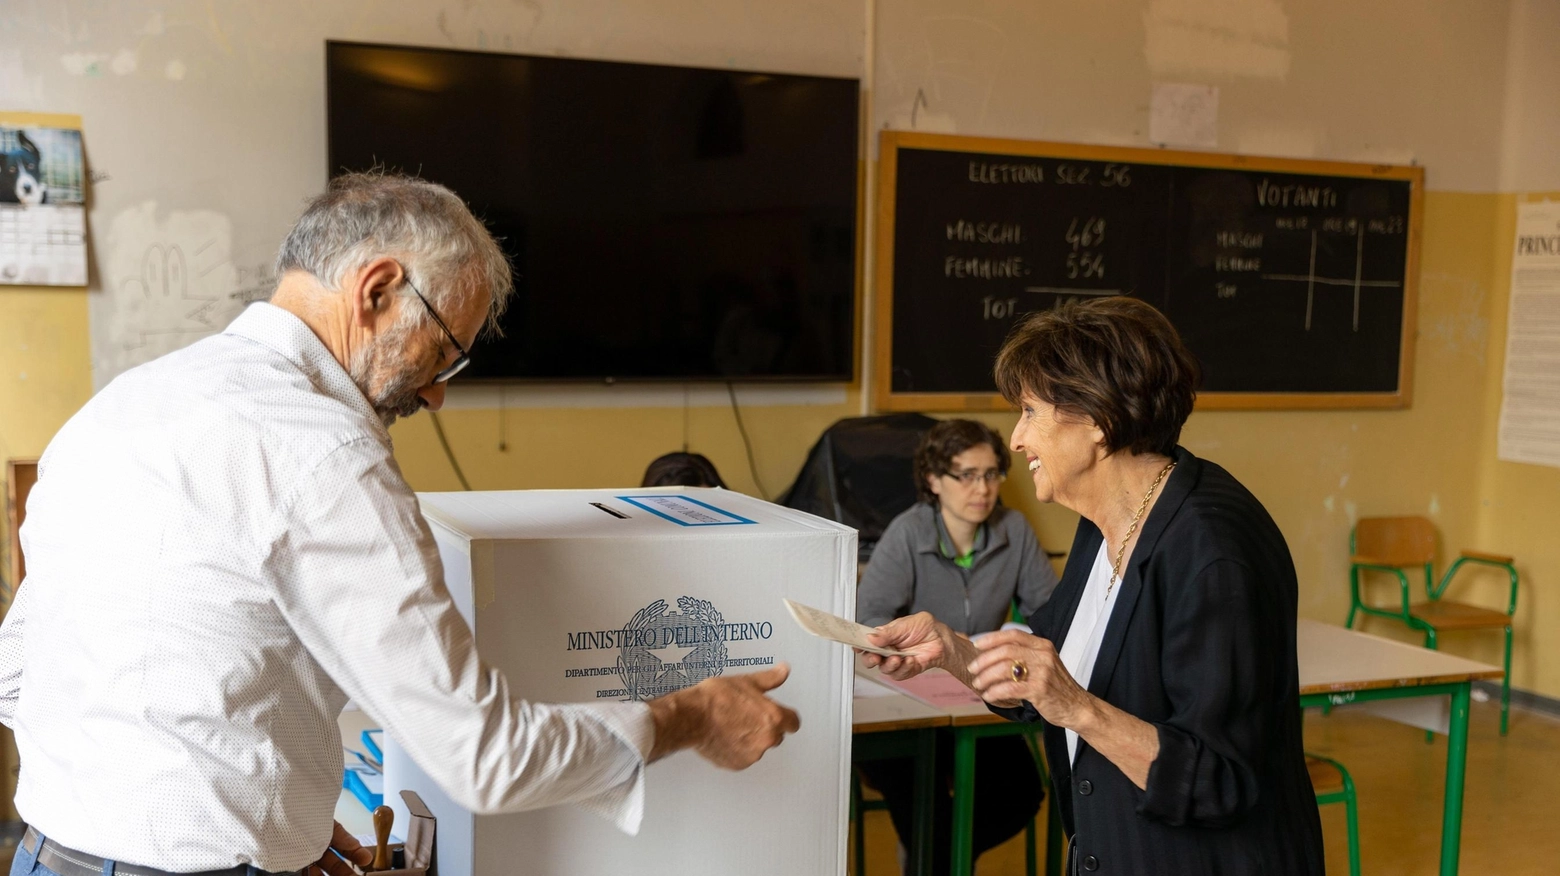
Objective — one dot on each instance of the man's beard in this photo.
(388, 381)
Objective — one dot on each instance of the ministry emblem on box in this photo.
(661, 650)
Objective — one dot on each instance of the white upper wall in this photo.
(205, 122)
(1410, 80)
(1530, 153)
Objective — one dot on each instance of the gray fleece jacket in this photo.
(912, 569)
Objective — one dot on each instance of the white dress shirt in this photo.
(1082, 646)
(220, 550)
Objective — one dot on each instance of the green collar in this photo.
(945, 542)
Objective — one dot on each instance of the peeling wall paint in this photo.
(1216, 38)
(168, 281)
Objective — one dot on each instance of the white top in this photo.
(220, 550)
(1082, 646)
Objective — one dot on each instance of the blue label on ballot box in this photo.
(685, 511)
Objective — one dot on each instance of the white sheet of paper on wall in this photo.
(1184, 115)
(1530, 398)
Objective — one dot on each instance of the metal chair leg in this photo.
(1430, 642)
(1054, 841)
(1351, 816)
(1347, 797)
(859, 821)
(1505, 685)
(1029, 846)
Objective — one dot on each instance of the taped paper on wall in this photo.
(1184, 115)
(1530, 402)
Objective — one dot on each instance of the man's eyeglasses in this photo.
(463, 359)
(970, 476)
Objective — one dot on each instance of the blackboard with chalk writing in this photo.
(1292, 281)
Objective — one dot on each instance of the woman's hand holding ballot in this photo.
(926, 642)
(1005, 667)
(1008, 668)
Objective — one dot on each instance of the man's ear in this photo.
(372, 289)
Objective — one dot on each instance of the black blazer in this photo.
(1201, 645)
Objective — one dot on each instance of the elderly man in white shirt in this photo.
(221, 550)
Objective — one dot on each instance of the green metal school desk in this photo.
(1340, 667)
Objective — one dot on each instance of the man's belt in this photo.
(69, 862)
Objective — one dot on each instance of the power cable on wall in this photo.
(449, 454)
(503, 419)
(748, 445)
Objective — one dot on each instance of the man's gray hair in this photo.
(447, 252)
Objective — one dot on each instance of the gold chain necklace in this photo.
(1115, 567)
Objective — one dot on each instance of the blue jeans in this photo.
(26, 864)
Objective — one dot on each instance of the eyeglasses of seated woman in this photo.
(969, 476)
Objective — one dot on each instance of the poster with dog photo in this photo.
(43, 220)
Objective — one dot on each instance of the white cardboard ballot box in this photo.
(548, 580)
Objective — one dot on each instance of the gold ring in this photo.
(1020, 671)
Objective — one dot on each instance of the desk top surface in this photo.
(879, 708)
(1332, 659)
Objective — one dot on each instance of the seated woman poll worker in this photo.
(1164, 665)
(963, 558)
(682, 469)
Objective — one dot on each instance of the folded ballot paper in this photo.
(612, 596)
(836, 629)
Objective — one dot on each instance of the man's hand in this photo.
(728, 720)
(331, 864)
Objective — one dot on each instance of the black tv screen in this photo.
(664, 222)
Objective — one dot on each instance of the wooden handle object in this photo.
(384, 817)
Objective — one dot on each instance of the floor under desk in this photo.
(1508, 823)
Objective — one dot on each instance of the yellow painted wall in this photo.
(45, 375)
(45, 369)
(560, 448)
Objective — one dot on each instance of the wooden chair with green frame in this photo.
(1392, 544)
(1333, 784)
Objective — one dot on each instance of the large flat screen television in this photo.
(668, 223)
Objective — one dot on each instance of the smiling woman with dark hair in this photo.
(965, 559)
(1164, 665)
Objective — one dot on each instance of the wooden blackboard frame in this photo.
(890, 142)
